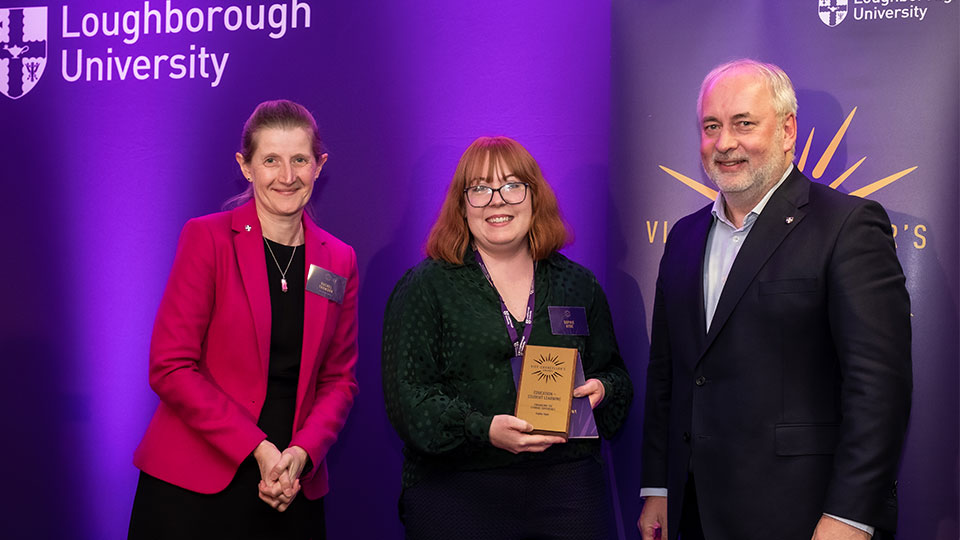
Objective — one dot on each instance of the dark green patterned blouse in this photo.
(446, 364)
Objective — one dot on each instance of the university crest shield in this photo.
(832, 12)
(23, 49)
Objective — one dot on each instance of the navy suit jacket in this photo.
(795, 403)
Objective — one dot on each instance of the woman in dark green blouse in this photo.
(471, 468)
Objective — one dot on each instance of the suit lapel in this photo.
(314, 306)
(691, 277)
(779, 217)
(248, 242)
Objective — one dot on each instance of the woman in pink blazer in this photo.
(252, 355)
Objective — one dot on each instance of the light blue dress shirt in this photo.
(723, 244)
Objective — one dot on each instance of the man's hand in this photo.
(829, 528)
(653, 518)
(513, 435)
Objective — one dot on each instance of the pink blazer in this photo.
(210, 348)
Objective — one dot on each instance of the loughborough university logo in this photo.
(832, 12)
(23, 49)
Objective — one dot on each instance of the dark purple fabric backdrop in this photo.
(101, 175)
(901, 77)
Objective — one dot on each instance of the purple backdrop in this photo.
(900, 76)
(100, 175)
(103, 174)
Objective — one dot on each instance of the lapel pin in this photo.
(789, 220)
(248, 227)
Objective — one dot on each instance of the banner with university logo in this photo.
(119, 121)
(877, 85)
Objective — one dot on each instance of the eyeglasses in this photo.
(511, 193)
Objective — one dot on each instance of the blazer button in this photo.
(701, 380)
(686, 437)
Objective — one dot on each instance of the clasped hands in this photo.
(513, 434)
(279, 473)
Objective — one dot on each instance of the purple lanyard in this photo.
(518, 343)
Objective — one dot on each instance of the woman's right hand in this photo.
(267, 457)
(513, 435)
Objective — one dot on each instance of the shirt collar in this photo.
(719, 212)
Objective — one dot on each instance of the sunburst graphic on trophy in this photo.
(548, 368)
(818, 169)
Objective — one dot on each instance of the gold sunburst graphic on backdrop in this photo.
(817, 169)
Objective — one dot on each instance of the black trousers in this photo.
(690, 526)
(164, 511)
(561, 501)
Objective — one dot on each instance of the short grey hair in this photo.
(784, 96)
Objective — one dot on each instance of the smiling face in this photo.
(745, 146)
(499, 227)
(282, 170)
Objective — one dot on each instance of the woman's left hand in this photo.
(593, 389)
(287, 473)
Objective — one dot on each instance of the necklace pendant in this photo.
(283, 284)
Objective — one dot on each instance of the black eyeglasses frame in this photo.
(526, 188)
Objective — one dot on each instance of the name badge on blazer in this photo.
(325, 283)
(568, 321)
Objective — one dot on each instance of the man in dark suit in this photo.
(779, 383)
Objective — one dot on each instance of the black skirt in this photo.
(164, 511)
(563, 501)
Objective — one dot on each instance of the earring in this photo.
(249, 179)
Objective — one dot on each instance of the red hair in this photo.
(450, 237)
